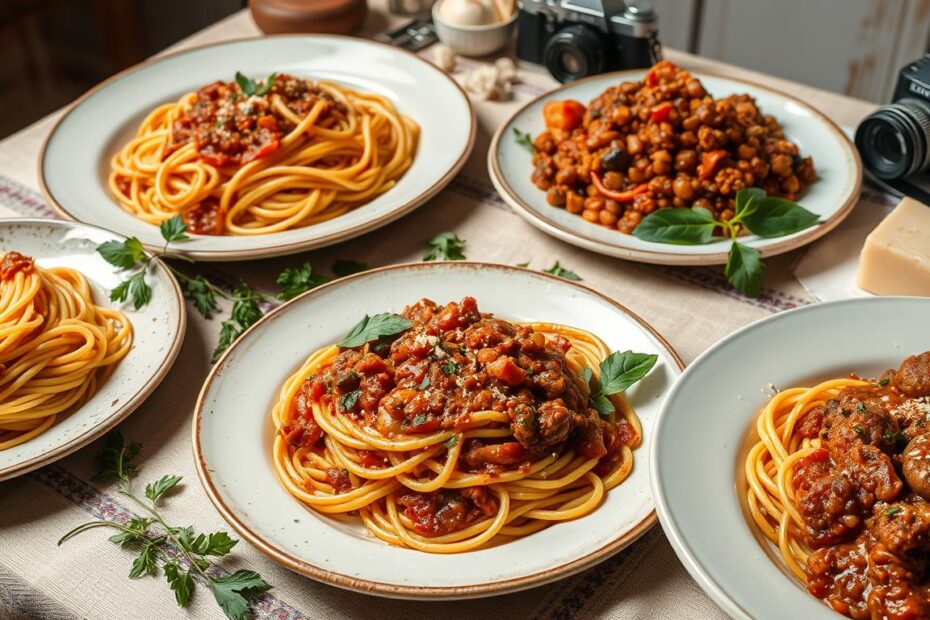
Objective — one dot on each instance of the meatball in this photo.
(916, 465)
(913, 377)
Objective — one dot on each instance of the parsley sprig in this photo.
(562, 272)
(445, 246)
(246, 303)
(185, 552)
(764, 216)
(619, 371)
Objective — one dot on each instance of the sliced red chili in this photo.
(624, 196)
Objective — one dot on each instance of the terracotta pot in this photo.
(324, 16)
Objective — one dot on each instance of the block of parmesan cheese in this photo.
(895, 259)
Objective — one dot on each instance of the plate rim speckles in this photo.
(88, 199)
(228, 489)
(129, 400)
(533, 208)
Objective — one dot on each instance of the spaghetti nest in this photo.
(771, 463)
(56, 346)
(465, 431)
(285, 154)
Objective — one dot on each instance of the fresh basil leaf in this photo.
(621, 370)
(348, 400)
(267, 85)
(777, 217)
(744, 269)
(342, 268)
(157, 489)
(173, 229)
(372, 328)
(525, 140)
(246, 85)
(747, 201)
(562, 272)
(677, 226)
(181, 583)
(602, 404)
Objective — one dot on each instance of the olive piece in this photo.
(616, 159)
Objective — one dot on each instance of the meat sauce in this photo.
(230, 128)
(14, 262)
(863, 496)
(455, 361)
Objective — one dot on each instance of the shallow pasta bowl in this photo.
(706, 429)
(233, 435)
(158, 334)
(832, 196)
(75, 159)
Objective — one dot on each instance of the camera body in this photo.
(578, 38)
(894, 141)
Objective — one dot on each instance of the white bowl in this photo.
(473, 40)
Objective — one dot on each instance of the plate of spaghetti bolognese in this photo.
(808, 434)
(464, 417)
(264, 146)
(74, 363)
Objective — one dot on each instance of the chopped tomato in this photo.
(205, 218)
(709, 163)
(624, 196)
(13, 262)
(506, 369)
(565, 114)
(268, 122)
(661, 112)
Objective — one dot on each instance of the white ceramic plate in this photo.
(702, 437)
(233, 434)
(74, 162)
(832, 196)
(159, 331)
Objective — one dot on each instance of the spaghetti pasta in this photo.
(237, 158)
(442, 461)
(56, 346)
(839, 481)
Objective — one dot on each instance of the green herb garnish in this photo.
(250, 87)
(445, 246)
(619, 371)
(764, 216)
(183, 551)
(450, 368)
(293, 282)
(525, 140)
(451, 442)
(372, 328)
(892, 511)
(562, 272)
(348, 400)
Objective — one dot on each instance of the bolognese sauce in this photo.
(864, 496)
(453, 362)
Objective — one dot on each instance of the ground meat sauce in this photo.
(13, 262)
(661, 142)
(230, 128)
(452, 362)
(863, 497)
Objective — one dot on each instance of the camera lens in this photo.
(894, 140)
(574, 52)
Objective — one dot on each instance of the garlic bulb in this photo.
(467, 12)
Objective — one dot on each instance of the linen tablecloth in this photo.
(691, 307)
